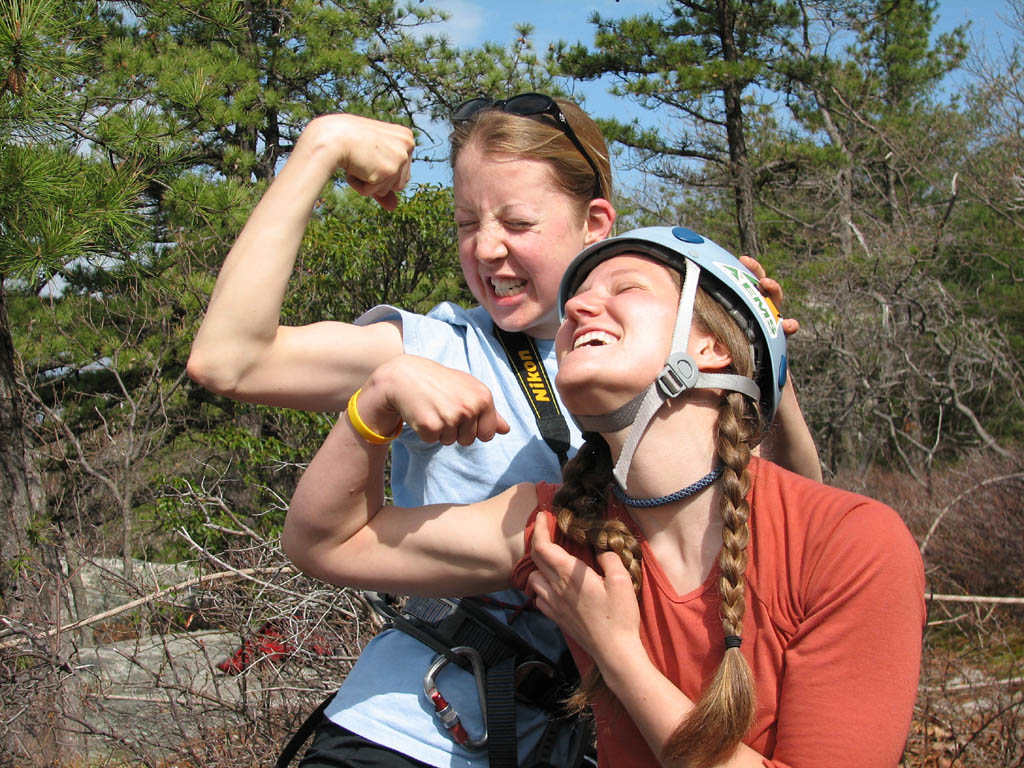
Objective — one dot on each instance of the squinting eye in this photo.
(623, 287)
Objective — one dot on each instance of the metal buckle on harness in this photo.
(533, 674)
(443, 710)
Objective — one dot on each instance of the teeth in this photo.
(504, 286)
(595, 338)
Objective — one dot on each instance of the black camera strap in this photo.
(536, 385)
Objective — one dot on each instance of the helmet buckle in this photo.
(679, 374)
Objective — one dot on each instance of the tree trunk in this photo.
(739, 164)
(30, 579)
(890, 189)
(843, 177)
(844, 180)
(16, 492)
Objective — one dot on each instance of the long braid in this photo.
(581, 503)
(725, 711)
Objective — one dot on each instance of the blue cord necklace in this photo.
(682, 493)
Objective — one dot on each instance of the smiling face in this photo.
(617, 333)
(517, 233)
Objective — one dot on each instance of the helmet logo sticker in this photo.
(747, 284)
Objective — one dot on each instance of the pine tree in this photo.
(702, 65)
(59, 211)
(134, 139)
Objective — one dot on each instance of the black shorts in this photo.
(335, 747)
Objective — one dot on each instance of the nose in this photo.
(490, 244)
(583, 304)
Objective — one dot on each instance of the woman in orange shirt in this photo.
(722, 610)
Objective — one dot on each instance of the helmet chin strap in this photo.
(679, 375)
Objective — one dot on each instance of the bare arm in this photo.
(789, 443)
(440, 404)
(339, 530)
(241, 350)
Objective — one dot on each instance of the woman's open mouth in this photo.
(504, 286)
(594, 339)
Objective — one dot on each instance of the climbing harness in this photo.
(449, 717)
(506, 670)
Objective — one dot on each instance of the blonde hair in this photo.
(538, 137)
(725, 711)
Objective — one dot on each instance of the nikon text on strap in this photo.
(533, 380)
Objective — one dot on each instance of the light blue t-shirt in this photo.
(382, 697)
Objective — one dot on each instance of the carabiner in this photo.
(445, 713)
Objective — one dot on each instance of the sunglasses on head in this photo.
(527, 105)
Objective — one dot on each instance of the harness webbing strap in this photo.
(380, 604)
(501, 715)
(291, 749)
(536, 385)
(508, 635)
(442, 624)
(541, 755)
(461, 622)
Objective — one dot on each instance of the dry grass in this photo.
(143, 686)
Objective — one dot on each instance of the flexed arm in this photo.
(241, 350)
(440, 404)
(339, 530)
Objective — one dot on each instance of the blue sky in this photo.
(476, 21)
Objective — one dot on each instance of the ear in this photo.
(600, 219)
(708, 352)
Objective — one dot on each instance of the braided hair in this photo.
(725, 711)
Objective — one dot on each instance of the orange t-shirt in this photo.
(832, 628)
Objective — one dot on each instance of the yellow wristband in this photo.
(364, 431)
